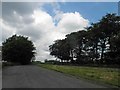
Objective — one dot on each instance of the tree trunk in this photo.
(71, 54)
(102, 52)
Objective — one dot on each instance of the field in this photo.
(98, 74)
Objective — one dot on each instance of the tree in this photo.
(18, 49)
(100, 34)
(60, 49)
(113, 56)
(76, 41)
(99, 43)
(92, 41)
(73, 43)
(109, 26)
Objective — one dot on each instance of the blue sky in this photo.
(45, 22)
(93, 11)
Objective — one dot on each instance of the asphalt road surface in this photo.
(31, 76)
(0, 78)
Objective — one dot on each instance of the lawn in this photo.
(98, 74)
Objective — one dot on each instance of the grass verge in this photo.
(104, 75)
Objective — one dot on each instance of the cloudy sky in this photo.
(45, 22)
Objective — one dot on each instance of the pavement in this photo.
(0, 78)
(0, 75)
(31, 76)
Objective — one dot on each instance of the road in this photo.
(31, 76)
(0, 78)
(0, 74)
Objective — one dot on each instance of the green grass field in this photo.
(103, 75)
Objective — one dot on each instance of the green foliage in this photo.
(60, 49)
(93, 45)
(18, 49)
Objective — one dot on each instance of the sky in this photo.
(45, 22)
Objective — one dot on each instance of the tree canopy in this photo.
(99, 43)
(18, 49)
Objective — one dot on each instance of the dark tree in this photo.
(99, 44)
(60, 49)
(73, 44)
(18, 49)
(113, 57)
(108, 25)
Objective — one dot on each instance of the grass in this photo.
(98, 74)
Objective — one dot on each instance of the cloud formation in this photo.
(30, 19)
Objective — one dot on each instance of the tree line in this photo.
(97, 44)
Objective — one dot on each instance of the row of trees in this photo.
(99, 43)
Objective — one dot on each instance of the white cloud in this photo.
(71, 22)
(40, 27)
(7, 30)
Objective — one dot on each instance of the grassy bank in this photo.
(103, 75)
